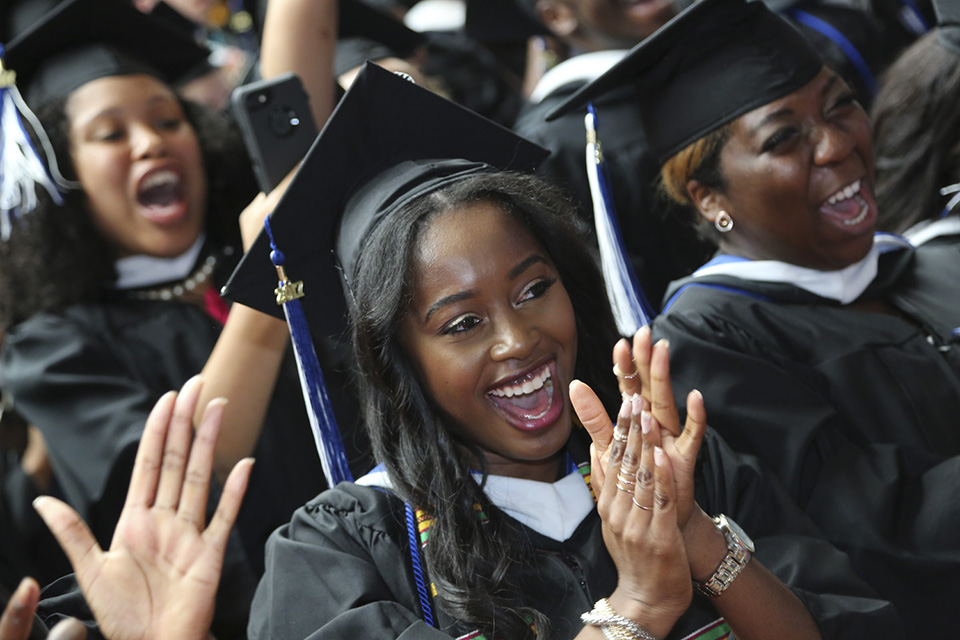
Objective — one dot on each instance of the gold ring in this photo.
(625, 479)
(624, 489)
(640, 505)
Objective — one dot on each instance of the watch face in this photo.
(737, 531)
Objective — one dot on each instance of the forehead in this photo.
(469, 243)
(117, 93)
(809, 96)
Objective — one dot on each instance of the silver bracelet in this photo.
(612, 624)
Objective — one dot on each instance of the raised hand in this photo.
(645, 373)
(638, 506)
(160, 575)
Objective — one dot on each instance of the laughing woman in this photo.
(828, 351)
(474, 304)
(111, 297)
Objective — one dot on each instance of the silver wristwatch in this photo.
(739, 550)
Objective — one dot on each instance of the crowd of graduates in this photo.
(747, 208)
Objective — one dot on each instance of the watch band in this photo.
(738, 555)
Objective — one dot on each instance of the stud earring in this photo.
(723, 222)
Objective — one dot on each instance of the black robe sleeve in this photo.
(883, 498)
(337, 571)
(791, 546)
(68, 382)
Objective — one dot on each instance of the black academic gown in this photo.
(856, 412)
(341, 568)
(88, 378)
(660, 241)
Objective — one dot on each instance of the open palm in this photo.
(160, 575)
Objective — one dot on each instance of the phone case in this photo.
(277, 126)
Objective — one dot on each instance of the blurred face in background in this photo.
(605, 24)
(140, 164)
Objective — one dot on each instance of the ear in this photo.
(557, 17)
(708, 201)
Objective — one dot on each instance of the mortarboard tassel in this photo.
(21, 167)
(630, 307)
(326, 435)
(954, 201)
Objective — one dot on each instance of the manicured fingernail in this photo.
(646, 421)
(658, 456)
(625, 407)
(636, 408)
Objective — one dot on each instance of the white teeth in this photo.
(860, 216)
(158, 179)
(846, 193)
(528, 386)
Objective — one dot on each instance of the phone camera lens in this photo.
(283, 121)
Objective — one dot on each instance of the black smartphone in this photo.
(277, 126)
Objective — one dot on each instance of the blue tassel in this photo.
(631, 310)
(21, 167)
(326, 435)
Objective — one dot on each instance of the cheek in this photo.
(100, 169)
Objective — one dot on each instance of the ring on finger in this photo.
(624, 489)
(620, 374)
(619, 435)
(640, 505)
(626, 478)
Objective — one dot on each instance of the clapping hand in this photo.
(644, 372)
(160, 575)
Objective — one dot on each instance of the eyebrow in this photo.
(110, 112)
(786, 111)
(460, 296)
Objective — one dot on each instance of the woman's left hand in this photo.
(639, 509)
(649, 372)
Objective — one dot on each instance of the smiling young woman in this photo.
(473, 305)
(493, 338)
(825, 349)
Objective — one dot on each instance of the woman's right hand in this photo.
(638, 507)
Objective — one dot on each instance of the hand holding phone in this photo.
(277, 125)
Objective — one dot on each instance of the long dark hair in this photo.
(916, 133)
(466, 559)
(56, 257)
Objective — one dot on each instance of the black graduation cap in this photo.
(503, 21)
(366, 33)
(77, 41)
(948, 23)
(387, 142)
(713, 62)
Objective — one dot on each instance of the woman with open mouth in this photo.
(823, 348)
(473, 306)
(109, 287)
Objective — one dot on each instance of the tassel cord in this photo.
(322, 421)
